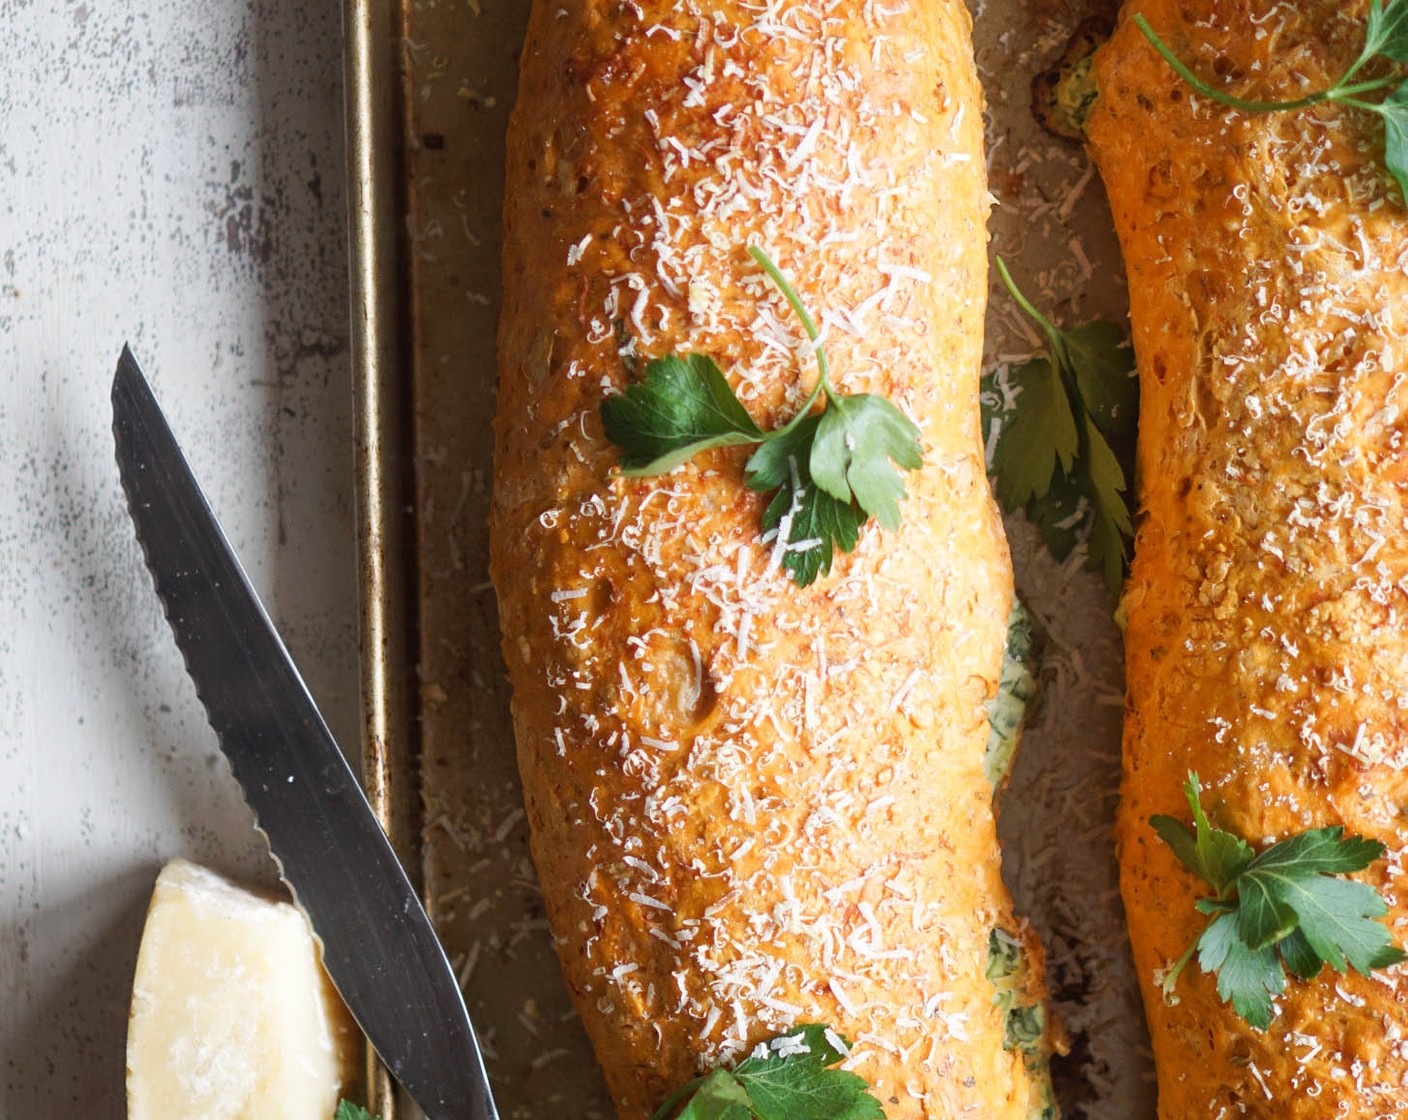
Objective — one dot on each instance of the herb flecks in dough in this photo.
(1385, 38)
(789, 1077)
(828, 471)
(1017, 693)
(1287, 908)
(1054, 454)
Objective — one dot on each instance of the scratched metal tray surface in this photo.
(431, 85)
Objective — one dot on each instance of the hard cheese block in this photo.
(232, 1017)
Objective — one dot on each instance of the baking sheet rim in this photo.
(379, 344)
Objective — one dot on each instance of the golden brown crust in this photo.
(1266, 647)
(753, 804)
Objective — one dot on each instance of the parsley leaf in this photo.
(1394, 111)
(828, 472)
(1300, 958)
(1387, 31)
(1385, 38)
(787, 1078)
(811, 525)
(1248, 977)
(1338, 919)
(802, 1087)
(1283, 908)
(1103, 365)
(1063, 515)
(1052, 454)
(682, 407)
(774, 462)
(719, 1097)
(346, 1110)
(1290, 885)
(1110, 524)
(1041, 433)
(1215, 856)
(851, 456)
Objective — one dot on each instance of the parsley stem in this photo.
(1058, 343)
(1171, 978)
(674, 1098)
(1355, 103)
(1341, 91)
(801, 414)
(794, 301)
(789, 292)
(1217, 95)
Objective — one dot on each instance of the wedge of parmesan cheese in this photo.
(232, 1015)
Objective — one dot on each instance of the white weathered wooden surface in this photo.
(171, 173)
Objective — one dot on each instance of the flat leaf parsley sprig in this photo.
(346, 1110)
(1284, 908)
(786, 1078)
(1385, 37)
(828, 471)
(1053, 455)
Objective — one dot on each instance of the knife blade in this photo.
(378, 944)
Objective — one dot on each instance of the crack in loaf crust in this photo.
(752, 804)
(1266, 641)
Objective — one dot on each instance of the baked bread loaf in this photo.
(755, 804)
(1266, 645)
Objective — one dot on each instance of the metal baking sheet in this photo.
(431, 84)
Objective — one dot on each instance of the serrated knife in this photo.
(378, 944)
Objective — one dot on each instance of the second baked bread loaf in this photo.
(1266, 647)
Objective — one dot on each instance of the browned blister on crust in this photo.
(754, 804)
(1267, 650)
